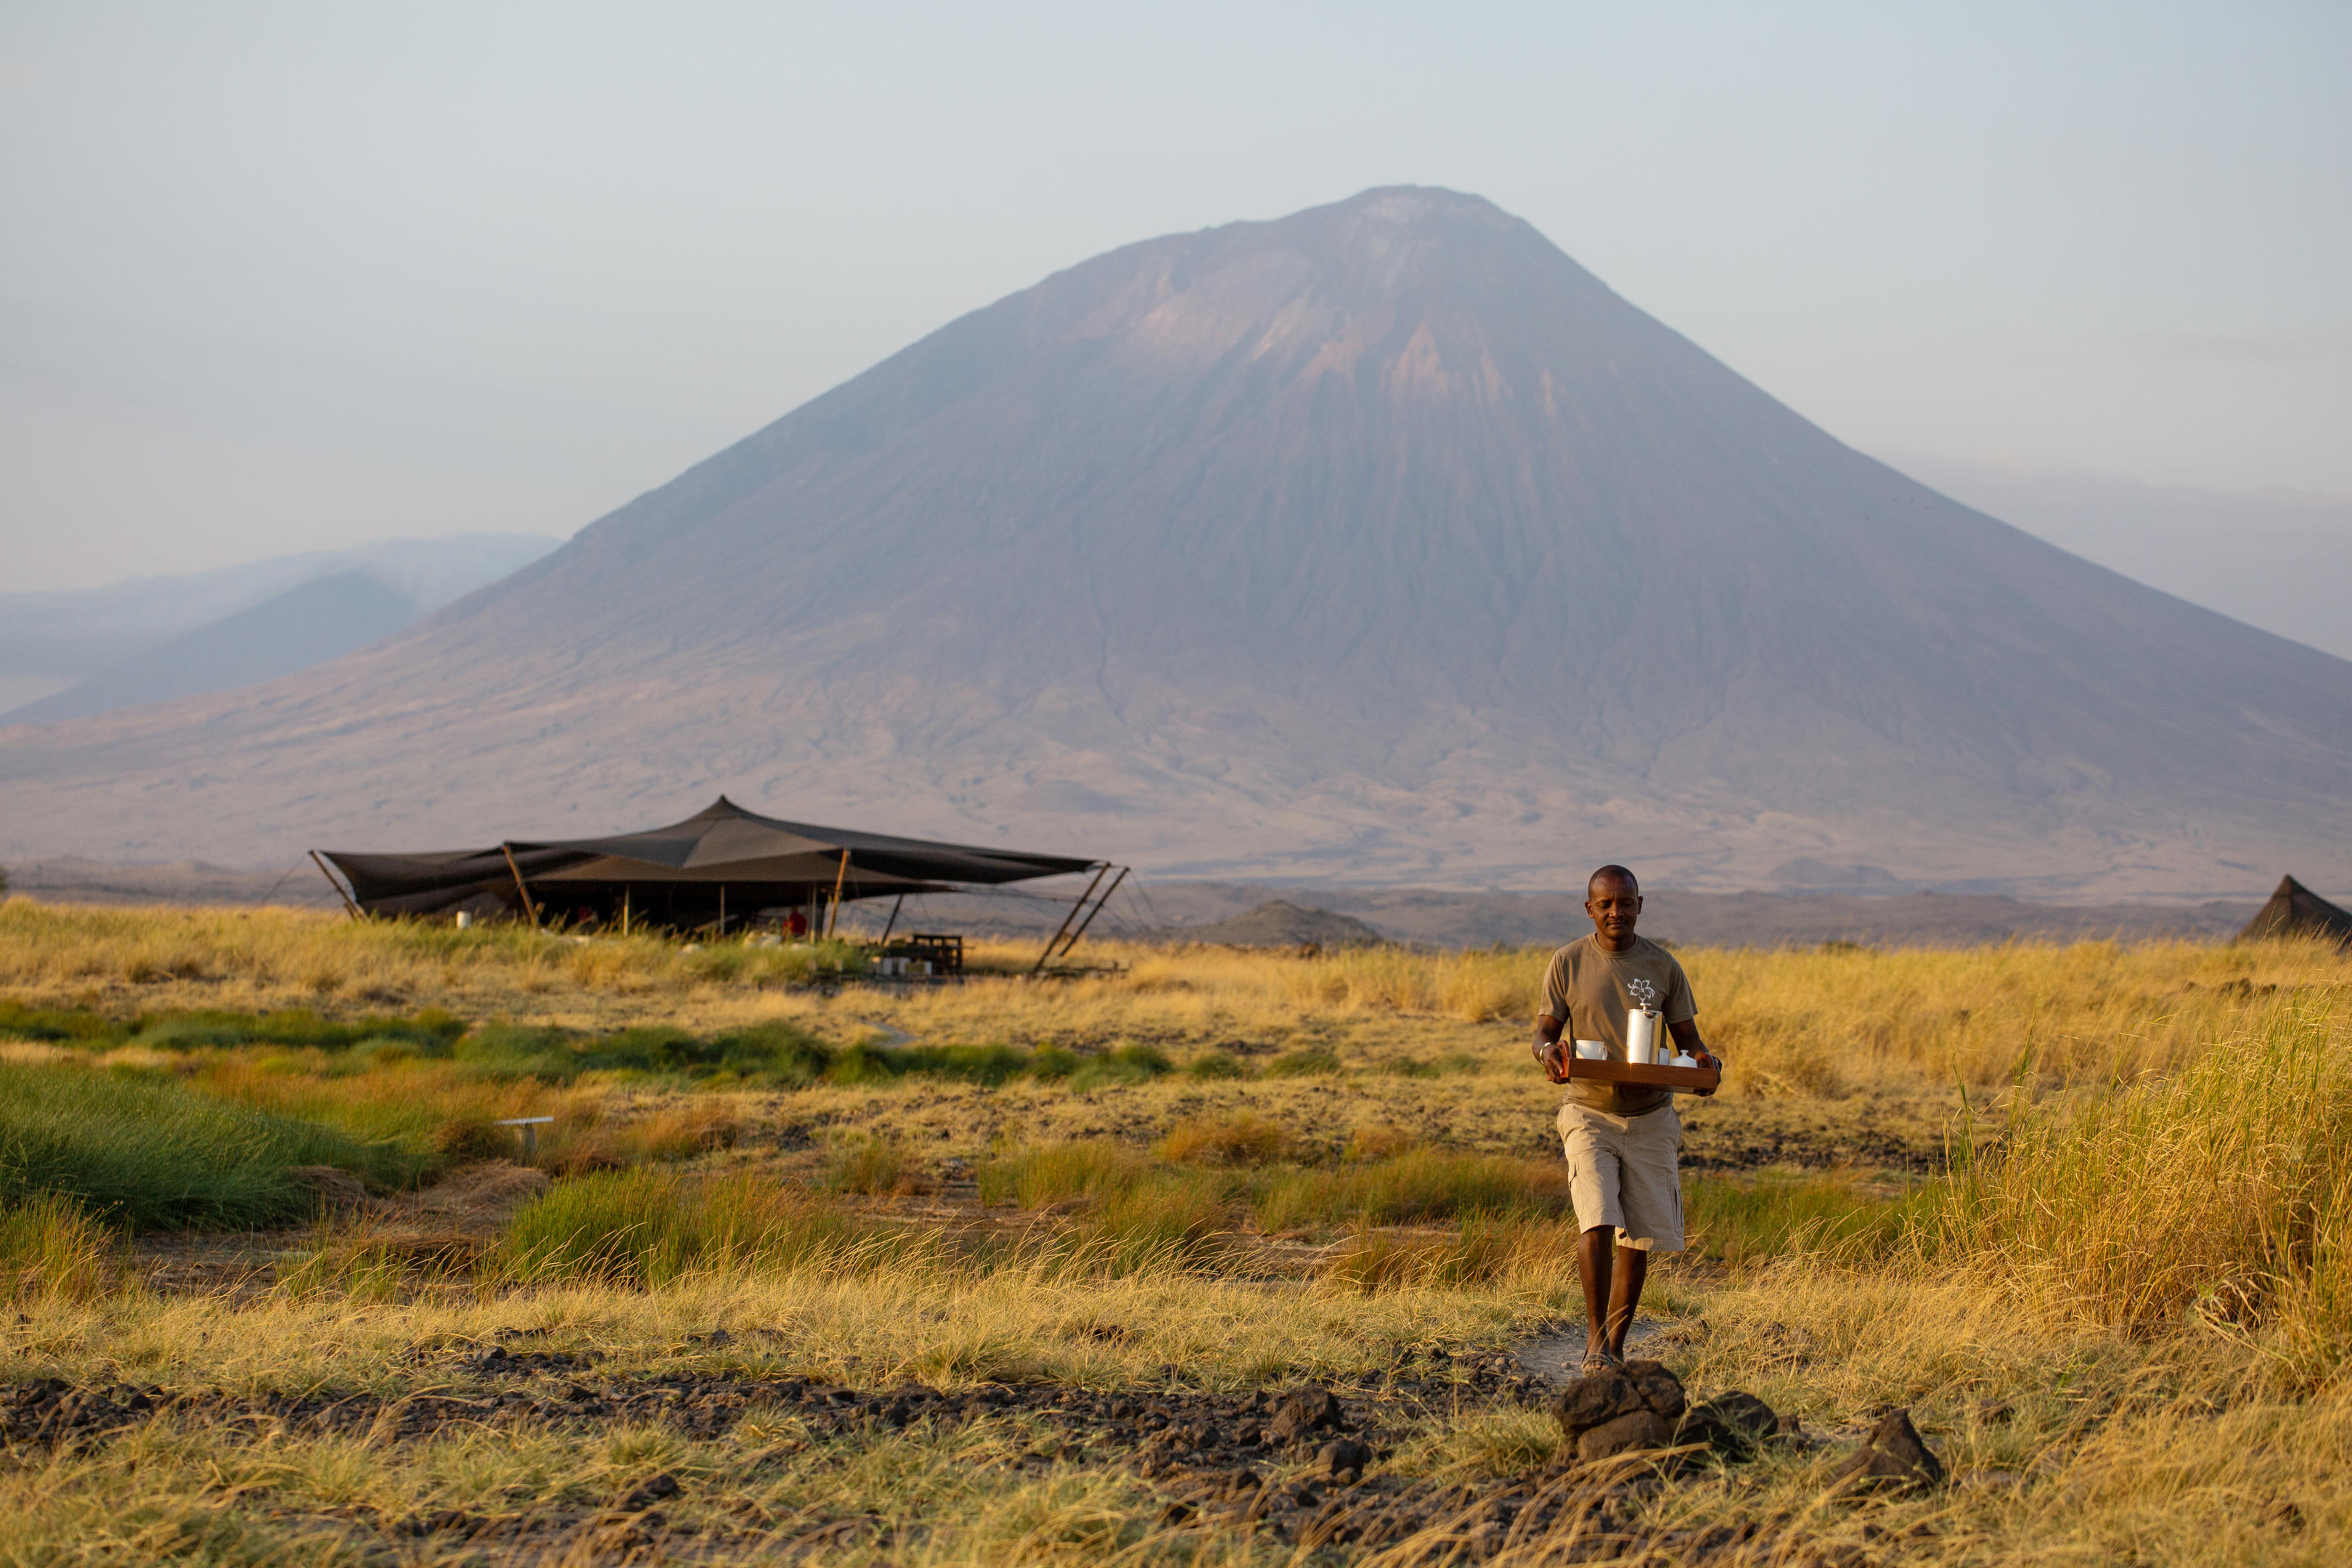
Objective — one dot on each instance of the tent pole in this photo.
(833, 916)
(722, 913)
(1056, 940)
(521, 886)
(625, 909)
(899, 903)
(1071, 946)
(350, 907)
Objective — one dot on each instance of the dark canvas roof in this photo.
(759, 859)
(2296, 910)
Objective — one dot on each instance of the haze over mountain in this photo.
(69, 653)
(2282, 561)
(1380, 541)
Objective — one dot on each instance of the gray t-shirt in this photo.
(1590, 989)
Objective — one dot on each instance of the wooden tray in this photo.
(1645, 1073)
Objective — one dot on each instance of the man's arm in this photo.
(1685, 1034)
(1547, 1048)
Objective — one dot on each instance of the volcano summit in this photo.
(1380, 542)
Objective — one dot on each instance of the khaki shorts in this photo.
(1622, 1172)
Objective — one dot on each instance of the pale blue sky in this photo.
(275, 277)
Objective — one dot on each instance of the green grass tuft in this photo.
(1416, 1186)
(154, 1154)
(1304, 1064)
(1749, 1220)
(1216, 1065)
(868, 1165)
(650, 1226)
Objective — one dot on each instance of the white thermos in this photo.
(1641, 1035)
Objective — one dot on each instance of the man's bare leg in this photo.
(1632, 1267)
(1595, 1269)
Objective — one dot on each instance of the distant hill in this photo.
(73, 653)
(1378, 542)
(1277, 922)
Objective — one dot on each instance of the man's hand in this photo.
(1550, 1048)
(1707, 1058)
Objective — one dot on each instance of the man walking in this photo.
(1621, 1140)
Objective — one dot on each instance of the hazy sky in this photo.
(277, 277)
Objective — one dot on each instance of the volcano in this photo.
(1379, 542)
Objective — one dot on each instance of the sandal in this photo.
(1599, 1362)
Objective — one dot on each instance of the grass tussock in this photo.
(1749, 1220)
(1536, 1258)
(650, 1226)
(154, 1154)
(1126, 1211)
(50, 1247)
(1244, 1138)
(1416, 1187)
(1477, 987)
(872, 1166)
(2221, 1194)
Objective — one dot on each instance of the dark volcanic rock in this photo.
(1614, 1397)
(1309, 1410)
(1734, 1424)
(1641, 1429)
(1894, 1459)
(1344, 1458)
(49, 1412)
(1596, 1398)
(1661, 1390)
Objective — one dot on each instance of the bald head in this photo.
(1613, 900)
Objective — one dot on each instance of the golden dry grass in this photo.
(2124, 1328)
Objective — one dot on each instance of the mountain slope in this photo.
(52, 641)
(1380, 539)
(310, 624)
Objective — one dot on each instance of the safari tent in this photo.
(720, 865)
(2296, 910)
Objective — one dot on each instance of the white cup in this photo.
(1593, 1050)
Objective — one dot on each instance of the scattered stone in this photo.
(1625, 1435)
(1345, 1459)
(1894, 1459)
(1595, 1400)
(1309, 1410)
(49, 1412)
(1621, 1409)
(1734, 1424)
(1661, 1390)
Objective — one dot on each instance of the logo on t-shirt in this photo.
(1645, 995)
